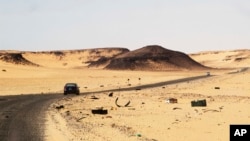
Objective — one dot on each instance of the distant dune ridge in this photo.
(60, 58)
(153, 57)
(223, 59)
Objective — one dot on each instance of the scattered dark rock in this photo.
(239, 59)
(172, 100)
(59, 107)
(99, 111)
(67, 113)
(176, 108)
(94, 97)
(111, 94)
(80, 119)
(199, 103)
(221, 108)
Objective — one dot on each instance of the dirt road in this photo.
(22, 117)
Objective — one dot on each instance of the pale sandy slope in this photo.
(70, 58)
(149, 117)
(226, 59)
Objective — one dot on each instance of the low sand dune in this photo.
(16, 58)
(224, 59)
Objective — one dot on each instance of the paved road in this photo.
(22, 118)
(152, 85)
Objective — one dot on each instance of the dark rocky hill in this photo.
(153, 57)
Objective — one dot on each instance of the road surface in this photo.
(152, 85)
(22, 117)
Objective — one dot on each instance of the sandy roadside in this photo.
(149, 117)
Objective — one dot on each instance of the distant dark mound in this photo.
(153, 57)
(16, 58)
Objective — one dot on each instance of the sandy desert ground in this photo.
(148, 117)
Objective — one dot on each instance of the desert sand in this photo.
(148, 116)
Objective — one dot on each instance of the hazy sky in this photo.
(183, 25)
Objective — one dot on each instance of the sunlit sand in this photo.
(148, 116)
